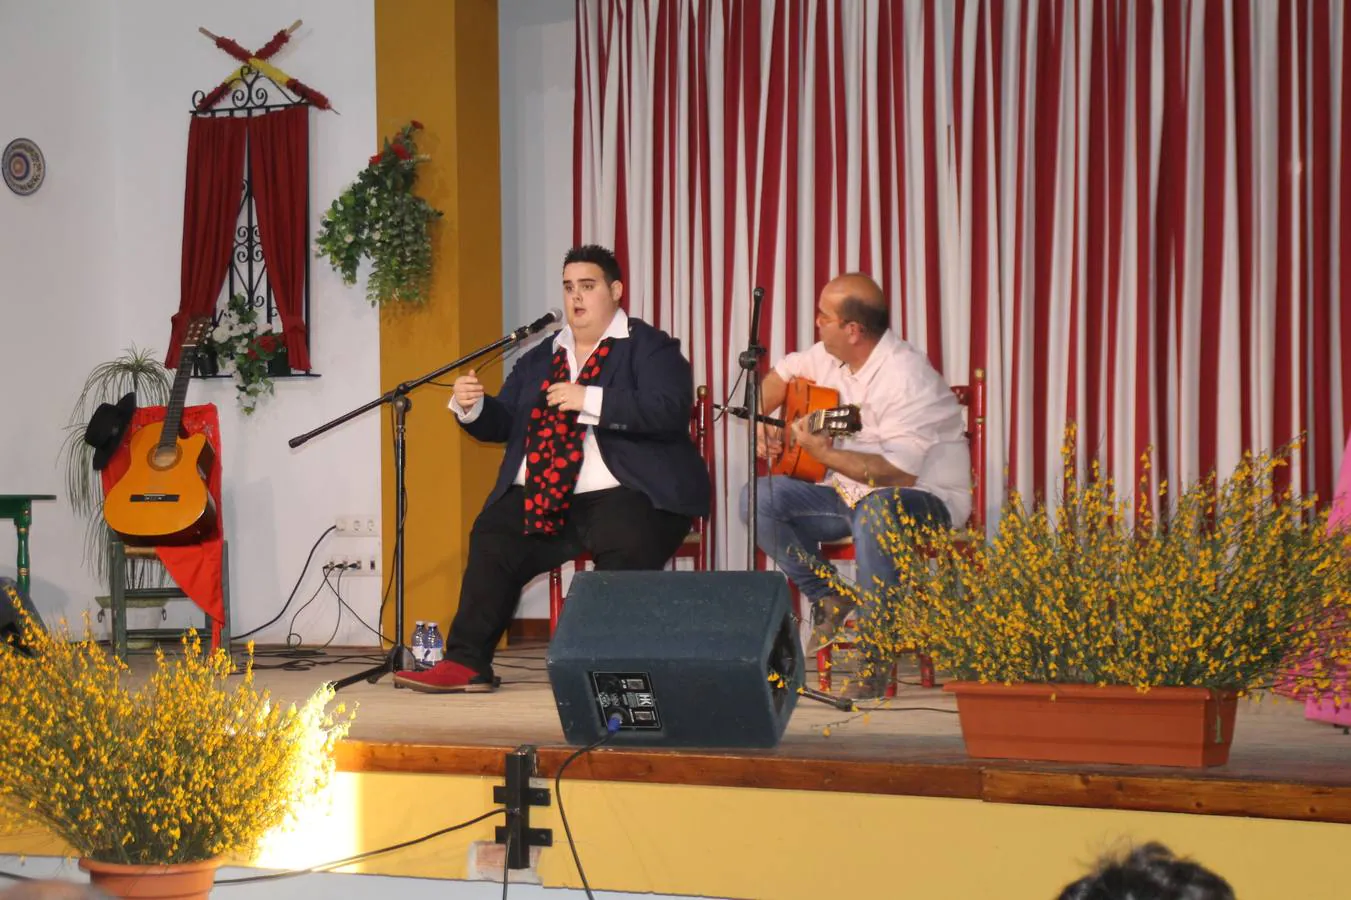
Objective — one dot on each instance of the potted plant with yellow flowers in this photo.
(152, 780)
(1105, 631)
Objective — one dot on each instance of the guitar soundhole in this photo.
(164, 457)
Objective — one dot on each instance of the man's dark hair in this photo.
(1150, 872)
(872, 319)
(597, 255)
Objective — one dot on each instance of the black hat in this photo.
(107, 427)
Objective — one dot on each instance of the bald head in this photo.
(857, 298)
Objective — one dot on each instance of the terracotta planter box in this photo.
(1085, 723)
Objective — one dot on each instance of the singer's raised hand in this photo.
(468, 391)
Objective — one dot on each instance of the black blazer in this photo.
(644, 430)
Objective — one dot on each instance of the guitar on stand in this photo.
(824, 414)
(163, 498)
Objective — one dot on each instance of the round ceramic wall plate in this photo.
(23, 166)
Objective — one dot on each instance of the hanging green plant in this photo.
(380, 217)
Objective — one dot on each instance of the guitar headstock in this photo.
(837, 420)
(195, 333)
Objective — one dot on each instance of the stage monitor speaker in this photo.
(684, 659)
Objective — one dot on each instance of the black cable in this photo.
(323, 867)
(337, 622)
(291, 632)
(302, 660)
(15, 876)
(611, 730)
(348, 606)
(506, 868)
(731, 396)
(287, 605)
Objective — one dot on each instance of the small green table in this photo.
(19, 507)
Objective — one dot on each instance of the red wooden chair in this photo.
(972, 396)
(698, 545)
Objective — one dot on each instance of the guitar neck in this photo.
(173, 414)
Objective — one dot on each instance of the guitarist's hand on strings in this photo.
(768, 441)
(468, 390)
(815, 444)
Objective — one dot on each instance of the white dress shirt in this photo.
(594, 475)
(910, 417)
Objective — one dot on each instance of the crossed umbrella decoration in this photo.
(258, 62)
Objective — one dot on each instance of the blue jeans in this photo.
(794, 518)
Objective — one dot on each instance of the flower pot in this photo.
(279, 364)
(1164, 726)
(206, 363)
(168, 882)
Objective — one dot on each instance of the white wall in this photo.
(536, 39)
(56, 314)
(91, 265)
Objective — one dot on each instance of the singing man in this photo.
(599, 459)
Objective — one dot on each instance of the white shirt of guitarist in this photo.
(594, 474)
(910, 416)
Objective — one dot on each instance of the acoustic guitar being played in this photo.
(825, 415)
(163, 497)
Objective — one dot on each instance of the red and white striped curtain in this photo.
(1126, 212)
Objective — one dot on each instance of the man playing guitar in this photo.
(910, 456)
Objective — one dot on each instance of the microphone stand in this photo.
(400, 656)
(750, 364)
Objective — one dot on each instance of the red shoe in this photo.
(445, 677)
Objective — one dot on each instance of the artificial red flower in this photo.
(417, 126)
(376, 158)
(401, 151)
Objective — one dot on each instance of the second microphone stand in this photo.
(400, 656)
(750, 364)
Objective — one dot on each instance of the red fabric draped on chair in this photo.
(278, 161)
(210, 207)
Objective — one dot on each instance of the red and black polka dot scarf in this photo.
(553, 448)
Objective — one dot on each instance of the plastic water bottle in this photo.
(435, 644)
(420, 644)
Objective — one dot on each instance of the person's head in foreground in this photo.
(1150, 872)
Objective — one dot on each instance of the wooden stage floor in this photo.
(1281, 765)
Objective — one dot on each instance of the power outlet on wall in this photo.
(350, 564)
(363, 525)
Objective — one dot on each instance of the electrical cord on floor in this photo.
(506, 870)
(611, 729)
(338, 863)
(287, 605)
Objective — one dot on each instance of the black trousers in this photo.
(619, 527)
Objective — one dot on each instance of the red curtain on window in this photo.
(278, 160)
(210, 206)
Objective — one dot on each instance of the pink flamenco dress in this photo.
(1327, 709)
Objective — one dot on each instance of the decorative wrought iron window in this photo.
(255, 94)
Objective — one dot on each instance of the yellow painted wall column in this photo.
(437, 62)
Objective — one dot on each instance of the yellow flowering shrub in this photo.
(185, 766)
(1228, 587)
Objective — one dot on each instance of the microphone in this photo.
(552, 316)
(758, 296)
